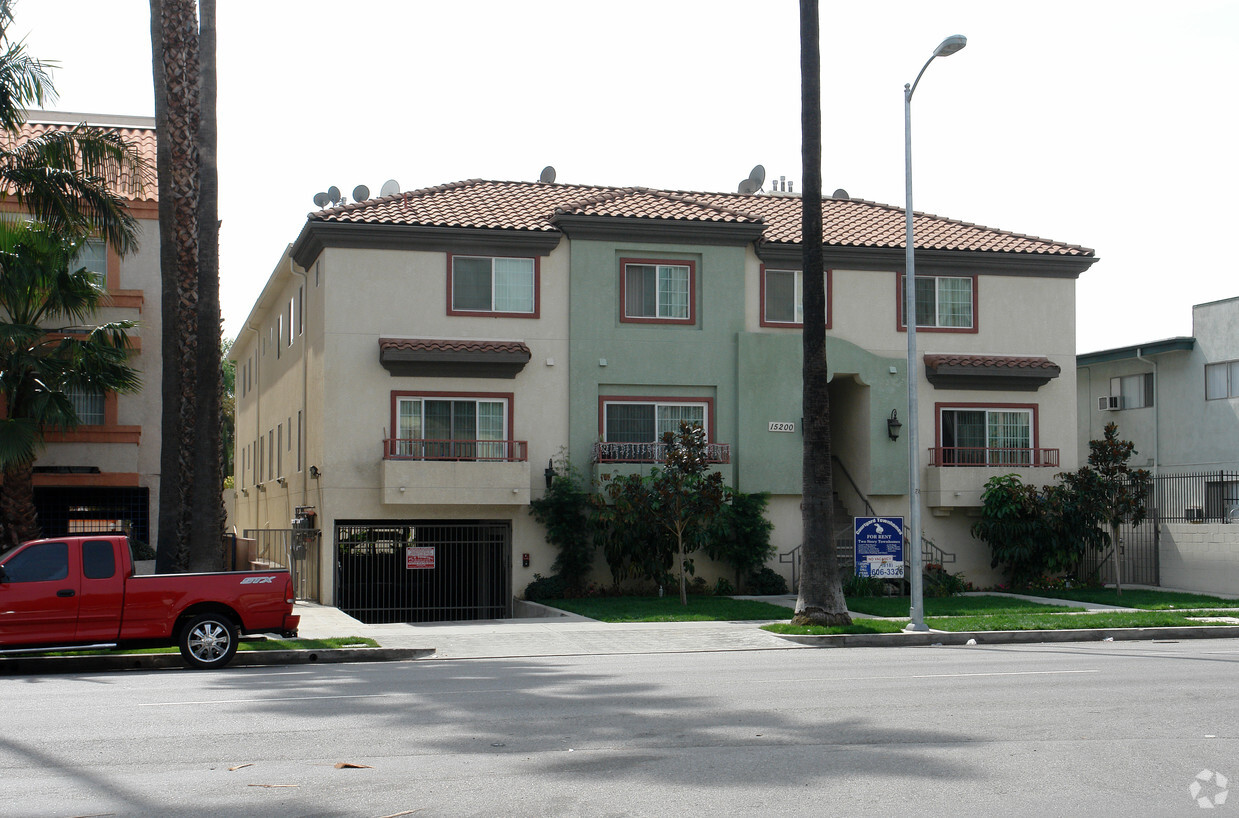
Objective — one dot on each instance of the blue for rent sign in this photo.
(879, 547)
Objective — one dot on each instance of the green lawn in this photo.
(669, 609)
(1142, 598)
(1037, 622)
(948, 606)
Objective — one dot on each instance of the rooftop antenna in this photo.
(548, 175)
(747, 187)
(321, 199)
(757, 176)
(840, 194)
(390, 188)
(333, 193)
(361, 193)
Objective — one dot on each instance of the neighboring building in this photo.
(1177, 399)
(105, 474)
(411, 357)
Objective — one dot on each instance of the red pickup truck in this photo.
(81, 591)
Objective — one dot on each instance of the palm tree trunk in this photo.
(17, 509)
(174, 45)
(820, 600)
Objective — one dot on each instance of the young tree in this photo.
(740, 535)
(48, 349)
(1110, 489)
(681, 498)
(563, 510)
(820, 601)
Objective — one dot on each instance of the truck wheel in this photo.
(208, 641)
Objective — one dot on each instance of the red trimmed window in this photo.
(492, 285)
(943, 303)
(975, 434)
(657, 291)
(632, 428)
(453, 426)
(782, 298)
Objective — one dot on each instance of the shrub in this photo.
(723, 587)
(863, 586)
(552, 587)
(941, 583)
(739, 534)
(765, 581)
(698, 586)
(141, 550)
(563, 510)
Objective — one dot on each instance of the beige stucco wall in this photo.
(1203, 558)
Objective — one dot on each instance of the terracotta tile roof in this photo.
(990, 362)
(533, 206)
(453, 346)
(142, 140)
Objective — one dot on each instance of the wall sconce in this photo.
(261, 487)
(283, 483)
(549, 474)
(245, 492)
(314, 472)
(893, 425)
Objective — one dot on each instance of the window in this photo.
(298, 440)
(479, 284)
(98, 559)
(92, 256)
(782, 298)
(1222, 380)
(657, 291)
(453, 428)
(270, 454)
(1135, 390)
(87, 404)
(45, 562)
(641, 422)
(986, 436)
(942, 302)
(279, 450)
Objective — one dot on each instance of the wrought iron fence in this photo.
(1201, 497)
(652, 452)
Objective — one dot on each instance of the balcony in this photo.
(455, 472)
(613, 460)
(957, 475)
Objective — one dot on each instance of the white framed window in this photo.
(92, 256)
(783, 297)
(1136, 391)
(657, 291)
(452, 428)
(1222, 380)
(484, 284)
(87, 405)
(647, 421)
(942, 302)
(983, 436)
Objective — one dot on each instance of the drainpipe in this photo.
(302, 454)
(1156, 410)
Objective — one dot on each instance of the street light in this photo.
(945, 49)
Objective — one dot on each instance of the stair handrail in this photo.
(855, 488)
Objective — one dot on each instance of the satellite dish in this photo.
(747, 187)
(321, 199)
(548, 175)
(390, 188)
(361, 193)
(333, 193)
(758, 176)
(840, 194)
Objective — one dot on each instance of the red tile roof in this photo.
(142, 140)
(534, 206)
(991, 362)
(453, 346)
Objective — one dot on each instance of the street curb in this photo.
(245, 658)
(934, 638)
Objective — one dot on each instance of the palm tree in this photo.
(48, 349)
(820, 600)
(73, 180)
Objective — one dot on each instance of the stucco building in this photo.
(416, 360)
(105, 473)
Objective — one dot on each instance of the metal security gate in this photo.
(1138, 557)
(424, 571)
(291, 548)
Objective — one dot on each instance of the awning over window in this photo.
(462, 359)
(998, 372)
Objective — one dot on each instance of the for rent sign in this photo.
(879, 547)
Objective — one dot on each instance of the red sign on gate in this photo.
(420, 556)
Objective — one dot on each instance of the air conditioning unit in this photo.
(1109, 404)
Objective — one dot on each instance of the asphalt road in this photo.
(1076, 729)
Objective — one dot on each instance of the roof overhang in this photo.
(1180, 344)
(990, 372)
(933, 261)
(319, 235)
(435, 357)
(620, 228)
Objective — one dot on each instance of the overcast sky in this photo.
(1107, 125)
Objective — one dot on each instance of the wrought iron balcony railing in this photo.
(511, 451)
(719, 453)
(981, 456)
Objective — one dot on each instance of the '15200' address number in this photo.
(777, 426)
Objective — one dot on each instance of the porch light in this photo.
(314, 472)
(549, 474)
(893, 425)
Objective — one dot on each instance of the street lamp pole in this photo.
(946, 48)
